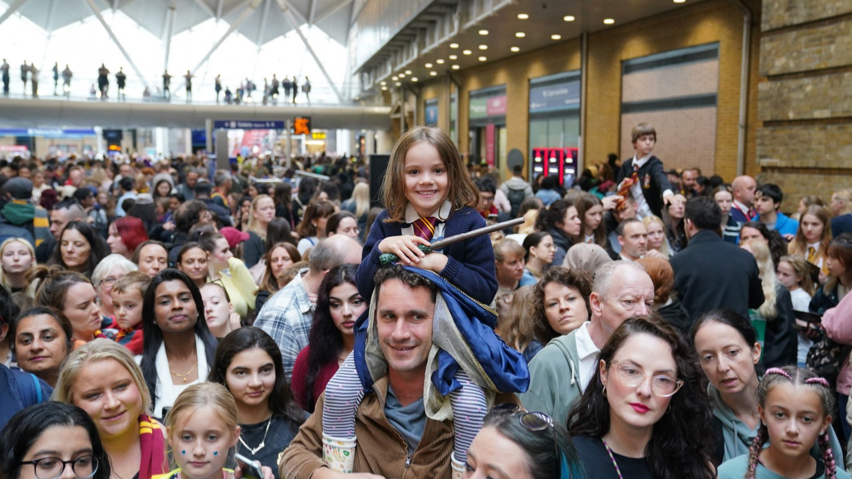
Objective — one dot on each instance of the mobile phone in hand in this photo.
(249, 468)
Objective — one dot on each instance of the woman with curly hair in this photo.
(645, 413)
(562, 222)
(278, 259)
(560, 302)
(331, 338)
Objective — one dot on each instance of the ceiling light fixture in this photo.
(569, 18)
(482, 59)
(398, 84)
(408, 72)
(434, 74)
(520, 34)
(679, 1)
(439, 61)
(454, 45)
(483, 32)
(608, 21)
(384, 88)
(483, 47)
(383, 83)
(523, 16)
(515, 49)
(428, 65)
(414, 79)
(556, 37)
(394, 78)
(453, 57)
(467, 52)
(456, 67)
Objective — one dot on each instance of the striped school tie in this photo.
(424, 227)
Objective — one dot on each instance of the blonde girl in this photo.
(261, 213)
(657, 235)
(773, 319)
(202, 430)
(18, 261)
(795, 408)
(793, 274)
(428, 194)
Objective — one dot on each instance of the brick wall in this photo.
(705, 22)
(804, 102)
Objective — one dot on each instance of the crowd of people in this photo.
(285, 90)
(170, 319)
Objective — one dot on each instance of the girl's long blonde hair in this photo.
(361, 195)
(252, 224)
(92, 352)
(460, 188)
(656, 219)
(30, 289)
(768, 278)
(799, 245)
(517, 326)
(198, 396)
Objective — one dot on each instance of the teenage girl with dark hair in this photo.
(563, 223)
(331, 338)
(248, 364)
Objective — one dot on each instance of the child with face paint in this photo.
(202, 429)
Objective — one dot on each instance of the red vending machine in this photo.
(559, 162)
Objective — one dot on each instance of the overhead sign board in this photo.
(318, 135)
(48, 132)
(249, 124)
(554, 97)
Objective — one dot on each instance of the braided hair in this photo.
(797, 377)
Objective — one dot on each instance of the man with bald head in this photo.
(742, 211)
(288, 315)
(560, 372)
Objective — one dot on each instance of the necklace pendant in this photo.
(184, 379)
(258, 448)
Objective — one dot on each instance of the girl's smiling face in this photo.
(426, 179)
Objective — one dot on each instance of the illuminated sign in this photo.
(559, 162)
(318, 135)
(302, 126)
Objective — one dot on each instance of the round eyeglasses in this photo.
(632, 376)
(84, 467)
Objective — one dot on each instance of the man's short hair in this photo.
(704, 213)
(202, 188)
(82, 194)
(126, 183)
(621, 226)
(641, 130)
(75, 211)
(605, 273)
(485, 185)
(517, 169)
(772, 191)
(408, 278)
(221, 177)
(188, 214)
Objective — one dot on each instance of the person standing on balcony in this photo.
(55, 78)
(167, 80)
(188, 78)
(121, 81)
(103, 81)
(295, 86)
(34, 79)
(306, 87)
(285, 83)
(25, 71)
(66, 80)
(4, 70)
(218, 87)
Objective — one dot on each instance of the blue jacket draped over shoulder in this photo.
(506, 367)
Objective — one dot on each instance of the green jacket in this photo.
(554, 379)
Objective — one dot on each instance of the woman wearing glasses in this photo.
(517, 444)
(45, 440)
(644, 414)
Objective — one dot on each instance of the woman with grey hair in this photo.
(110, 269)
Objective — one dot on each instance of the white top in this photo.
(167, 392)
(587, 352)
(801, 300)
(306, 243)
